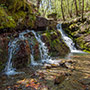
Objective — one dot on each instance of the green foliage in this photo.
(14, 13)
(3, 5)
(54, 6)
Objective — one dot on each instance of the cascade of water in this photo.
(14, 45)
(68, 40)
(43, 49)
(9, 70)
(45, 58)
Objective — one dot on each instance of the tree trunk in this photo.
(80, 5)
(62, 10)
(69, 9)
(87, 4)
(82, 8)
(38, 3)
(76, 7)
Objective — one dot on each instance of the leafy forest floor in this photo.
(69, 74)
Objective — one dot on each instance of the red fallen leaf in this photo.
(28, 85)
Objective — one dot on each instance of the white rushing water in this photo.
(45, 58)
(13, 48)
(68, 41)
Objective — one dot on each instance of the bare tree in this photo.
(80, 5)
(62, 10)
(75, 2)
(87, 4)
(69, 9)
(82, 8)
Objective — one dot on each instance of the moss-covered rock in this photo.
(84, 42)
(79, 31)
(6, 21)
(17, 14)
(55, 44)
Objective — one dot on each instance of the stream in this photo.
(61, 74)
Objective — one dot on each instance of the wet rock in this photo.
(87, 38)
(47, 66)
(36, 51)
(22, 57)
(55, 44)
(41, 23)
(4, 40)
(85, 81)
(71, 61)
(62, 64)
(59, 79)
(55, 65)
(67, 64)
(53, 15)
(68, 74)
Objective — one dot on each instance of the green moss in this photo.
(83, 44)
(6, 21)
(56, 45)
(73, 27)
(14, 13)
(19, 15)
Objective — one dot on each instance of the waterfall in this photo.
(68, 40)
(43, 49)
(14, 47)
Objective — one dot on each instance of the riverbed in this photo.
(70, 74)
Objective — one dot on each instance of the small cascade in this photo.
(9, 70)
(43, 49)
(68, 40)
(14, 47)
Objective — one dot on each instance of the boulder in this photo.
(41, 23)
(55, 43)
(4, 40)
(59, 79)
(53, 15)
(22, 56)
